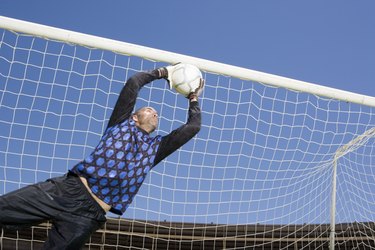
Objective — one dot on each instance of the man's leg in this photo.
(64, 201)
(79, 216)
(24, 207)
(70, 232)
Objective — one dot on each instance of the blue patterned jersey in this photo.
(117, 167)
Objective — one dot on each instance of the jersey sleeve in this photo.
(128, 96)
(181, 135)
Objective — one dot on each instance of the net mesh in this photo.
(264, 156)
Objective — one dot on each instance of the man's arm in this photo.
(181, 135)
(128, 96)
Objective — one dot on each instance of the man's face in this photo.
(146, 118)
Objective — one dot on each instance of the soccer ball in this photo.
(184, 78)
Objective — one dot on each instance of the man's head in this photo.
(146, 118)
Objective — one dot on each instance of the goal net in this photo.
(278, 162)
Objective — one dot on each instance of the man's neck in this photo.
(142, 130)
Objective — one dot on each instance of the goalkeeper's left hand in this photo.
(193, 96)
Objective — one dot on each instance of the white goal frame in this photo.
(70, 37)
(169, 57)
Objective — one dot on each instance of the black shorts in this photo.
(64, 201)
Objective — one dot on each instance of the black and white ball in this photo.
(185, 78)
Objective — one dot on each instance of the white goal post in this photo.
(169, 57)
(278, 162)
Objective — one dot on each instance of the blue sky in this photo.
(331, 43)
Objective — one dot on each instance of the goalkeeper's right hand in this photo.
(170, 70)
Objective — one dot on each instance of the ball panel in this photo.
(185, 78)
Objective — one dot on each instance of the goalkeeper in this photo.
(109, 178)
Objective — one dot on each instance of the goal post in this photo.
(352, 146)
(278, 162)
(169, 57)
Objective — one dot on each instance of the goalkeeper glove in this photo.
(198, 91)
